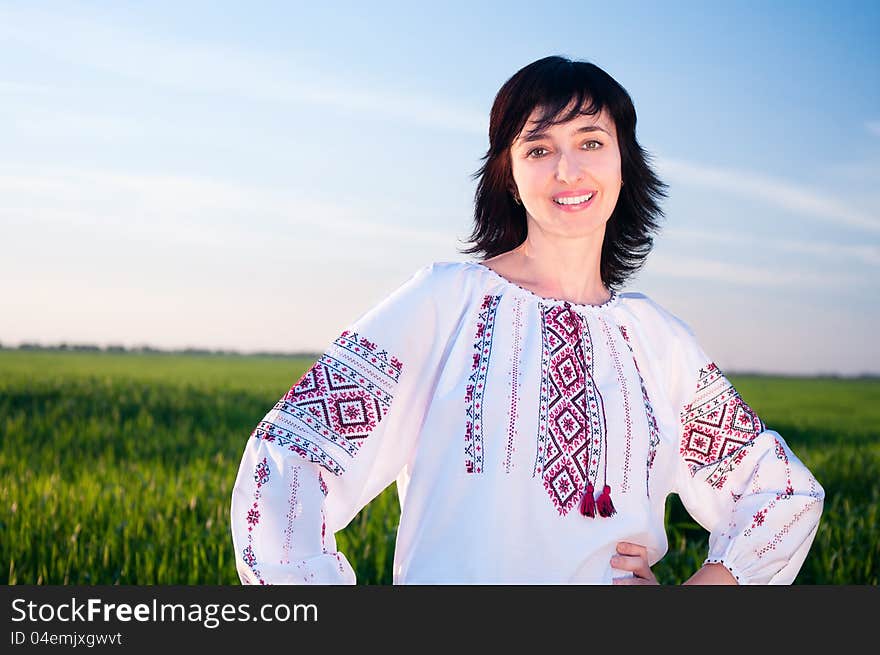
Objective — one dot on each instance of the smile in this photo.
(573, 200)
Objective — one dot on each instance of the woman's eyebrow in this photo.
(537, 136)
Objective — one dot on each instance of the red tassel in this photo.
(588, 504)
(606, 507)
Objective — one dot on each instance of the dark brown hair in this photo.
(551, 84)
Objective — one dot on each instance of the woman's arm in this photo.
(336, 440)
(634, 557)
(712, 574)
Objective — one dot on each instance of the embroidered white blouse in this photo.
(527, 437)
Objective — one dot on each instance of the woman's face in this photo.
(556, 171)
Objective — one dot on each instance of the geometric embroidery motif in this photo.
(476, 387)
(336, 404)
(570, 429)
(717, 426)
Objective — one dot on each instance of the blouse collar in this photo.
(611, 302)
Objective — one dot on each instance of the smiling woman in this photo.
(559, 128)
(533, 416)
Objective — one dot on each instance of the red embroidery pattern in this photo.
(336, 404)
(627, 418)
(261, 477)
(653, 429)
(514, 382)
(716, 427)
(786, 494)
(339, 562)
(569, 441)
(476, 388)
(759, 517)
(779, 536)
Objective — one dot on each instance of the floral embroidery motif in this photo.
(261, 477)
(261, 474)
(758, 518)
(627, 417)
(336, 404)
(718, 427)
(570, 428)
(786, 529)
(476, 387)
(653, 429)
(514, 382)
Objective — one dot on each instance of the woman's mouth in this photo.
(575, 203)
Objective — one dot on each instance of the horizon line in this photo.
(146, 349)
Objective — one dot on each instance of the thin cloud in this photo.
(751, 276)
(42, 123)
(773, 191)
(18, 88)
(873, 127)
(212, 69)
(867, 254)
(188, 209)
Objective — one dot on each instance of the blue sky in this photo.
(255, 176)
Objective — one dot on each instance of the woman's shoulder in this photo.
(458, 277)
(441, 270)
(440, 275)
(440, 283)
(654, 317)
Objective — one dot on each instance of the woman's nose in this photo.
(568, 169)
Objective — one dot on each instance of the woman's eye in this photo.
(539, 152)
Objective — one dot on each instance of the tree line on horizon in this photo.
(146, 349)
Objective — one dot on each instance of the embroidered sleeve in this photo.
(742, 483)
(334, 441)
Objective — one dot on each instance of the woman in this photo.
(534, 418)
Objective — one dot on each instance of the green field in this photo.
(118, 469)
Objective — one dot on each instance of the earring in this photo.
(516, 198)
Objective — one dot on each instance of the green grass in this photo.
(118, 469)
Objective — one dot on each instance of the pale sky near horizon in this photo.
(255, 176)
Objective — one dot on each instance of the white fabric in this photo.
(499, 523)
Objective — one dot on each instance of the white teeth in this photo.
(574, 200)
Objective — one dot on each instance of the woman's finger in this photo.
(629, 563)
(628, 548)
(638, 566)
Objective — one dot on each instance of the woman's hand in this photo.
(633, 557)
